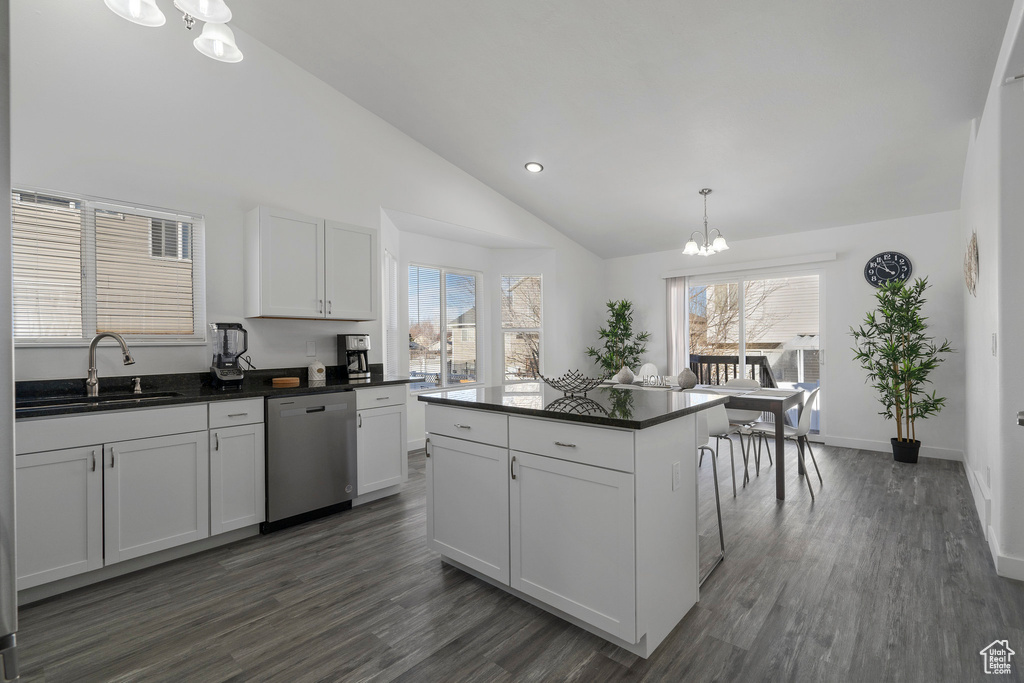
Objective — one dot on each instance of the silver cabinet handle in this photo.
(111, 458)
(383, 398)
(565, 445)
(360, 416)
(94, 460)
(321, 305)
(426, 447)
(512, 467)
(216, 441)
(238, 414)
(458, 426)
(328, 307)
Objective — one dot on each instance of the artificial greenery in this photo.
(893, 347)
(621, 346)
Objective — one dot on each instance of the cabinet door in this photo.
(572, 540)
(291, 265)
(237, 478)
(467, 504)
(59, 513)
(380, 448)
(156, 494)
(352, 271)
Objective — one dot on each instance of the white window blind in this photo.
(390, 315)
(442, 327)
(521, 306)
(84, 266)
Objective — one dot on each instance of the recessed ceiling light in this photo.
(534, 167)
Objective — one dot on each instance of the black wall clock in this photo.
(889, 266)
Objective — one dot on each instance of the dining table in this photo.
(773, 400)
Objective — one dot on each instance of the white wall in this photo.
(107, 108)
(849, 406)
(992, 204)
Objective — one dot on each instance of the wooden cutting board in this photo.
(285, 382)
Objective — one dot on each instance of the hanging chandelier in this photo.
(216, 41)
(707, 247)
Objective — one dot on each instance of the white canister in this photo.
(317, 374)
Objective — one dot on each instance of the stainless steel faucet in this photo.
(92, 384)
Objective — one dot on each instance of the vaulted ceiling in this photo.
(799, 115)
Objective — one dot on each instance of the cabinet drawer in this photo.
(610, 448)
(473, 425)
(378, 397)
(243, 412)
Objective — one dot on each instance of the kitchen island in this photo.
(583, 506)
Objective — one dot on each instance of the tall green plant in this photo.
(621, 345)
(893, 347)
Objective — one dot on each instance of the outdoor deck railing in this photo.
(720, 369)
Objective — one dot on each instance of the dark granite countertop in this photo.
(635, 408)
(46, 398)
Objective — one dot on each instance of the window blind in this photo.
(425, 326)
(83, 266)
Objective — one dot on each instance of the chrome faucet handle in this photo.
(138, 385)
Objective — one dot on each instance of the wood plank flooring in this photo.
(885, 578)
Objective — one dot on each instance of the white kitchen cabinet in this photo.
(467, 504)
(237, 477)
(156, 494)
(303, 267)
(572, 537)
(59, 503)
(381, 459)
(351, 271)
(284, 264)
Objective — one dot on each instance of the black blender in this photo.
(228, 341)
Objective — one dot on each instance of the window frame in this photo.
(443, 314)
(539, 329)
(89, 204)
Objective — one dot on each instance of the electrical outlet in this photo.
(677, 475)
(310, 349)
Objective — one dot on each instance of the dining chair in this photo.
(718, 426)
(647, 369)
(745, 418)
(766, 430)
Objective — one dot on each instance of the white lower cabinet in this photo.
(59, 502)
(237, 478)
(572, 537)
(381, 459)
(156, 494)
(467, 504)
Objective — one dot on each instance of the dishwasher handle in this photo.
(316, 409)
(293, 412)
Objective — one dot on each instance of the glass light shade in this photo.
(210, 11)
(141, 12)
(719, 244)
(690, 249)
(218, 42)
(704, 251)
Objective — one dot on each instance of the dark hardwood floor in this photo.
(885, 578)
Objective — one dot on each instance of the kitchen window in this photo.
(521, 327)
(443, 343)
(83, 266)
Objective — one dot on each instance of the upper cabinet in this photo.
(302, 267)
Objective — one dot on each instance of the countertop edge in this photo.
(595, 420)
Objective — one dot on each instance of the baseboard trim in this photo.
(1006, 565)
(886, 447)
(417, 444)
(982, 498)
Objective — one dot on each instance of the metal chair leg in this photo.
(744, 447)
(732, 462)
(814, 460)
(721, 534)
(800, 455)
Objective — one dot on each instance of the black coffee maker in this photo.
(355, 349)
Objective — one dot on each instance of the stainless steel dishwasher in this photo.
(311, 457)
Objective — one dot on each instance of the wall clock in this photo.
(889, 266)
(971, 265)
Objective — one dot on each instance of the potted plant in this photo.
(622, 348)
(893, 347)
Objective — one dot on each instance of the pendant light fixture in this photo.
(217, 41)
(141, 12)
(707, 245)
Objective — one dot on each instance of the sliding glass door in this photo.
(765, 328)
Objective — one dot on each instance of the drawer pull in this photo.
(94, 460)
(237, 414)
(512, 467)
(383, 398)
(458, 426)
(426, 447)
(565, 445)
(216, 439)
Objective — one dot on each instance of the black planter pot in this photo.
(905, 451)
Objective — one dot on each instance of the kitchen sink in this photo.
(65, 401)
